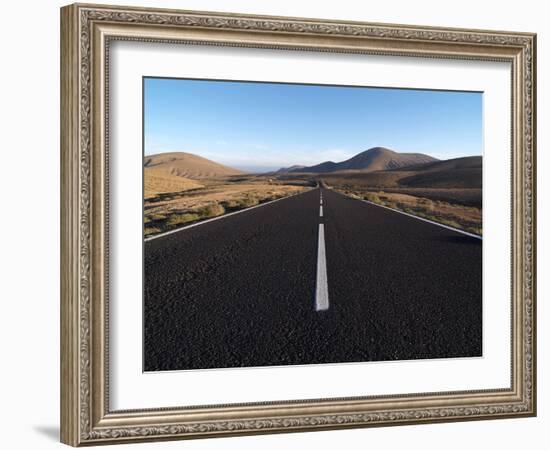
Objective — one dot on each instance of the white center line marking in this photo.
(321, 211)
(321, 290)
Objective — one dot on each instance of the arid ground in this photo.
(181, 188)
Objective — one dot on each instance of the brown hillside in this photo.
(187, 165)
(158, 181)
(449, 174)
(380, 158)
(374, 159)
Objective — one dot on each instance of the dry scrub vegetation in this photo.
(169, 210)
(454, 214)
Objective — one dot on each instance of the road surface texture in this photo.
(257, 289)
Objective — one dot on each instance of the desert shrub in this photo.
(475, 230)
(248, 201)
(371, 197)
(275, 195)
(431, 217)
(230, 204)
(212, 210)
(155, 216)
(151, 230)
(179, 219)
(426, 203)
(450, 223)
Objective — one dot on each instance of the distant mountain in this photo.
(295, 168)
(377, 158)
(464, 162)
(187, 165)
(458, 173)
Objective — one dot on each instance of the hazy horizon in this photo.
(261, 127)
(265, 169)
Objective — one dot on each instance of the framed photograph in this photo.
(276, 224)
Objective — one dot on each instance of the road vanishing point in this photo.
(315, 278)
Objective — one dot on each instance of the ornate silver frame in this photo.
(86, 31)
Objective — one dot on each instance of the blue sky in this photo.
(264, 126)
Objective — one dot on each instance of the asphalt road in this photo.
(243, 290)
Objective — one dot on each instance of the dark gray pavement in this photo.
(240, 291)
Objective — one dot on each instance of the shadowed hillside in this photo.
(453, 173)
(448, 192)
(459, 173)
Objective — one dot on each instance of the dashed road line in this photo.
(321, 288)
